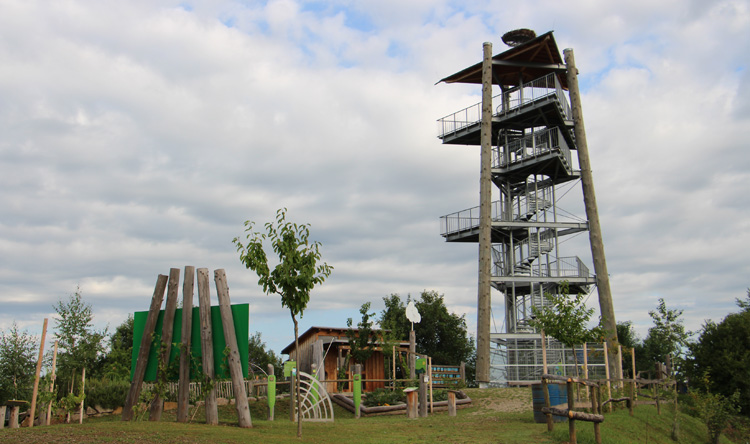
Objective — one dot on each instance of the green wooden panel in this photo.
(240, 318)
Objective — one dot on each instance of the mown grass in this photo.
(477, 424)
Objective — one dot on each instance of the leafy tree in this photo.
(259, 357)
(17, 364)
(296, 273)
(79, 345)
(566, 319)
(723, 351)
(116, 364)
(362, 341)
(440, 334)
(629, 341)
(666, 340)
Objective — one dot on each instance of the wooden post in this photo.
(429, 379)
(606, 372)
(485, 225)
(544, 354)
(48, 416)
(411, 403)
(571, 407)
(632, 357)
(586, 368)
(548, 404)
(35, 392)
(2, 416)
(631, 401)
(292, 398)
(596, 409)
(451, 403)
(13, 420)
(235, 366)
(656, 395)
(412, 356)
(140, 365)
(621, 384)
(167, 329)
(271, 391)
(423, 395)
(207, 344)
(183, 391)
(357, 389)
(462, 372)
(83, 390)
(592, 212)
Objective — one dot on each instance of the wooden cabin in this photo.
(330, 346)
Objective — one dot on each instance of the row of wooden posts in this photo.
(595, 389)
(204, 300)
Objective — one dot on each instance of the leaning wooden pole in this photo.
(207, 345)
(235, 366)
(140, 365)
(606, 306)
(38, 372)
(83, 390)
(485, 225)
(167, 330)
(183, 392)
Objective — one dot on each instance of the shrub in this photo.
(384, 396)
(108, 393)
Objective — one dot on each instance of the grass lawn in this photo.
(489, 420)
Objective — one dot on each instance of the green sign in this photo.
(240, 318)
(420, 366)
(288, 366)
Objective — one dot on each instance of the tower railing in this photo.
(531, 146)
(545, 87)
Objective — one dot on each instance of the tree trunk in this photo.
(296, 380)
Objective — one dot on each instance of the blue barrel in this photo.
(558, 397)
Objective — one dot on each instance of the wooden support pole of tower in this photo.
(485, 225)
(183, 391)
(140, 364)
(167, 330)
(207, 345)
(606, 306)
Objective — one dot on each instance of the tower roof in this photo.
(519, 64)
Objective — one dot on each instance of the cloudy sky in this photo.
(139, 136)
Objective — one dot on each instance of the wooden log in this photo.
(574, 415)
(357, 390)
(411, 403)
(35, 392)
(429, 378)
(167, 329)
(423, 395)
(2, 416)
(451, 403)
(183, 392)
(235, 365)
(13, 420)
(562, 380)
(207, 345)
(571, 408)
(140, 365)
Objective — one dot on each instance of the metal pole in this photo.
(592, 213)
(485, 222)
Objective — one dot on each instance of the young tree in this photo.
(79, 345)
(117, 362)
(362, 341)
(566, 319)
(295, 275)
(17, 364)
(667, 339)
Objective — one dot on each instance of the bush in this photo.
(384, 396)
(108, 393)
